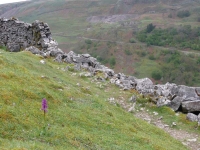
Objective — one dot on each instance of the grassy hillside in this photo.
(79, 115)
(113, 35)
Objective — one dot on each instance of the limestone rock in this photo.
(191, 106)
(133, 99)
(192, 117)
(163, 101)
(176, 103)
(198, 118)
(33, 50)
(145, 86)
(17, 35)
(13, 47)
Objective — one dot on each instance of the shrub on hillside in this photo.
(170, 16)
(156, 74)
(132, 40)
(152, 57)
(128, 52)
(88, 41)
(112, 61)
(183, 13)
(150, 27)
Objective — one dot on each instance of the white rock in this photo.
(141, 109)
(174, 124)
(42, 62)
(191, 140)
(148, 120)
(132, 108)
(155, 113)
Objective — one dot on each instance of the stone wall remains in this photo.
(17, 35)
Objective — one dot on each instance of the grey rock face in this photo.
(192, 117)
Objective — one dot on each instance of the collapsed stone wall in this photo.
(17, 35)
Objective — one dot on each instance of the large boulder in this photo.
(192, 117)
(33, 50)
(144, 86)
(187, 92)
(54, 52)
(176, 103)
(167, 90)
(191, 106)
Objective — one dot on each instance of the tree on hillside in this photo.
(150, 27)
(183, 13)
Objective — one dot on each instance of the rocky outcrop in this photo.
(17, 35)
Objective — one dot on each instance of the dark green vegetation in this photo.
(79, 117)
(183, 13)
(181, 37)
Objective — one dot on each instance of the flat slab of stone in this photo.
(191, 106)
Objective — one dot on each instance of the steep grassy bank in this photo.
(79, 115)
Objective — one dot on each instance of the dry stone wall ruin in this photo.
(17, 35)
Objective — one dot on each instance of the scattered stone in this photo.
(192, 117)
(177, 114)
(112, 100)
(42, 62)
(131, 109)
(133, 99)
(142, 109)
(191, 140)
(174, 124)
(148, 120)
(85, 74)
(163, 101)
(155, 113)
(166, 125)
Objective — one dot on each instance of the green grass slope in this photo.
(78, 117)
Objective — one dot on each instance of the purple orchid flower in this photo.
(44, 106)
